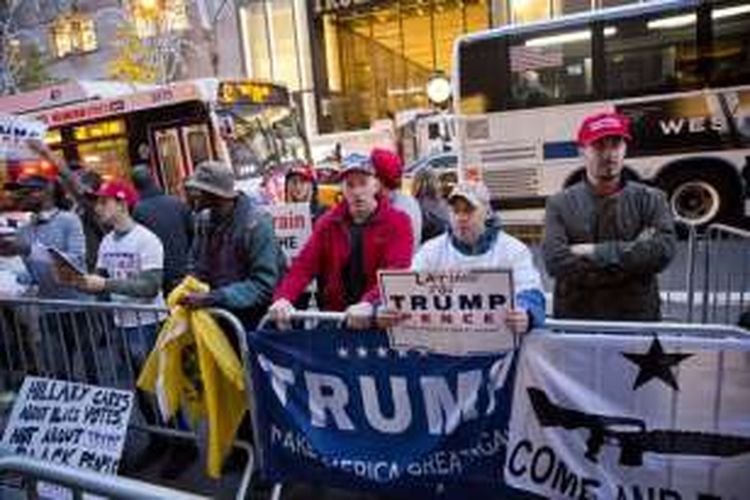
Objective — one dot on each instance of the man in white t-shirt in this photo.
(129, 266)
(130, 262)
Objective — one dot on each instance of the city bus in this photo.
(679, 70)
(109, 127)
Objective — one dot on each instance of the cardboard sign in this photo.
(450, 312)
(67, 423)
(292, 223)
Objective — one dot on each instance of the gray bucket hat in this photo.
(213, 177)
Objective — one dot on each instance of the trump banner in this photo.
(345, 410)
(645, 416)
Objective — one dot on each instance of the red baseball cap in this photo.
(120, 190)
(600, 125)
(388, 167)
(303, 170)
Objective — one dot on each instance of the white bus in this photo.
(679, 70)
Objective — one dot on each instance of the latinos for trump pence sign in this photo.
(451, 312)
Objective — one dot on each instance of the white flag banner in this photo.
(631, 417)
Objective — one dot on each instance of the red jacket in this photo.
(387, 244)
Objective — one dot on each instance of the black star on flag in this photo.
(655, 364)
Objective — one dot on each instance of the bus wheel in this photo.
(697, 201)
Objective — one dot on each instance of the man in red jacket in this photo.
(349, 244)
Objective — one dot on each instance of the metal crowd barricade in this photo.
(100, 343)
(635, 327)
(725, 291)
(81, 481)
(310, 319)
(677, 282)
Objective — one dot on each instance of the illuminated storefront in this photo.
(351, 62)
(375, 58)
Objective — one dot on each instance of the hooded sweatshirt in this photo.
(494, 249)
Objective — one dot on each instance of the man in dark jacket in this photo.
(349, 244)
(234, 248)
(606, 239)
(170, 219)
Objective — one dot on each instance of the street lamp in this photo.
(439, 89)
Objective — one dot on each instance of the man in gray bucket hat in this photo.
(234, 249)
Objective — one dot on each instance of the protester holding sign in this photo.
(349, 244)
(301, 186)
(129, 266)
(475, 241)
(606, 238)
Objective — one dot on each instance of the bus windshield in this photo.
(264, 129)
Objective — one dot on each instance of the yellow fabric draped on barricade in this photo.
(194, 367)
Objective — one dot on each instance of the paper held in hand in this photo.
(66, 271)
(450, 312)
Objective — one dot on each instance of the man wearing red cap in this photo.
(129, 266)
(606, 238)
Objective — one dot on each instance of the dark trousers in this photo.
(63, 334)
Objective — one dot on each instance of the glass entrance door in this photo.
(179, 150)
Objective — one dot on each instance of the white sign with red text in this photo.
(292, 224)
(451, 312)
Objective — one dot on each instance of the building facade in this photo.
(353, 62)
(79, 40)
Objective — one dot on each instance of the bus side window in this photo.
(647, 55)
(551, 68)
(730, 54)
